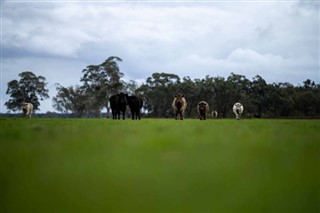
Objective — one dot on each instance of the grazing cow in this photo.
(237, 110)
(113, 104)
(203, 108)
(214, 114)
(27, 109)
(179, 105)
(135, 104)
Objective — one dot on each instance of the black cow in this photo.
(122, 104)
(135, 104)
(113, 104)
(118, 104)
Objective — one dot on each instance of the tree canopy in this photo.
(98, 83)
(101, 81)
(30, 88)
(259, 98)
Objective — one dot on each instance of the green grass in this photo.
(159, 165)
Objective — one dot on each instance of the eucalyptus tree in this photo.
(307, 99)
(159, 89)
(189, 89)
(70, 99)
(100, 82)
(29, 88)
(259, 96)
(222, 95)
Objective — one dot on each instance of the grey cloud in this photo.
(279, 41)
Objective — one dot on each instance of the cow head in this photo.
(24, 107)
(178, 100)
(122, 98)
(202, 106)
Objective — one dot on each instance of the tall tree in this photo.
(189, 88)
(30, 88)
(70, 99)
(307, 99)
(101, 81)
(222, 96)
(259, 96)
(160, 89)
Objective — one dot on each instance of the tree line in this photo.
(101, 81)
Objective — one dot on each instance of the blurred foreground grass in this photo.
(159, 165)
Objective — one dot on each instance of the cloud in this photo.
(44, 30)
(277, 40)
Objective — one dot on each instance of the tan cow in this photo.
(203, 109)
(27, 109)
(179, 105)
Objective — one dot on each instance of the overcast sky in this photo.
(278, 40)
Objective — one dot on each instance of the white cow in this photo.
(214, 114)
(27, 109)
(237, 110)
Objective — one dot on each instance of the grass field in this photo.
(159, 165)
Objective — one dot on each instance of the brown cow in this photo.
(179, 105)
(203, 108)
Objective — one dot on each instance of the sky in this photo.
(278, 40)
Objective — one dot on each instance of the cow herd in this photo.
(119, 103)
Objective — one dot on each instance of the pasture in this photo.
(159, 165)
